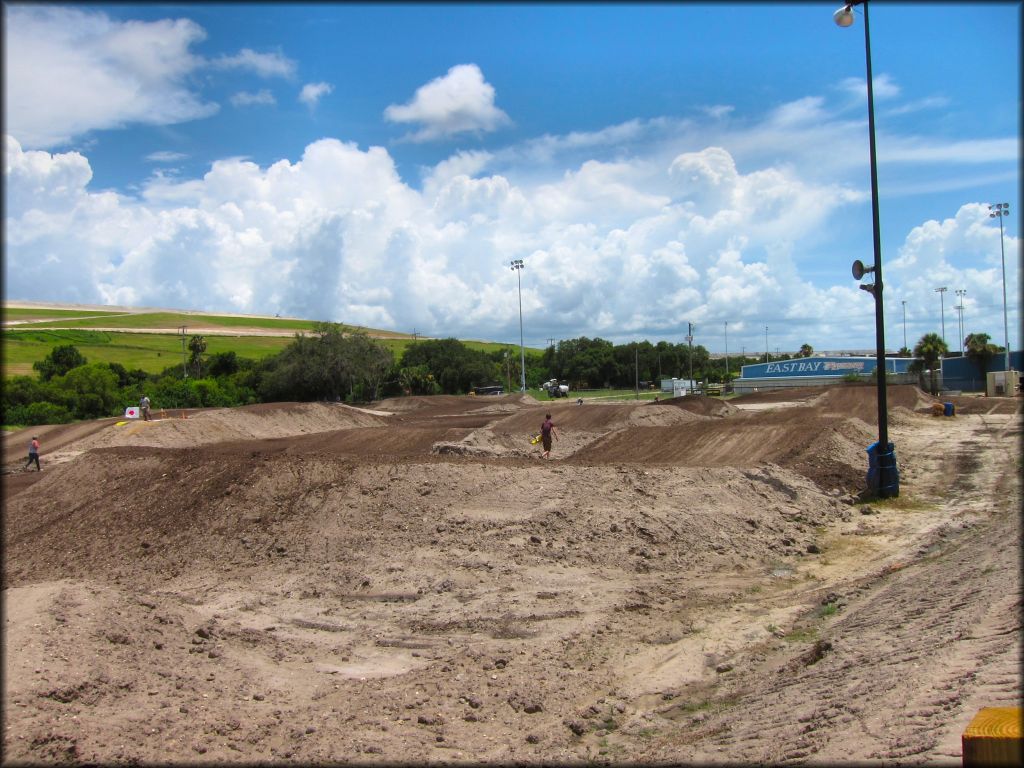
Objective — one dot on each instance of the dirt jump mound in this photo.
(318, 584)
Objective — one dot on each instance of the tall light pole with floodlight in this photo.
(960, 293)
(942, 308)
(905, 324)
(887, 476)
(517, 266)
(726, 351)
(689, 341)
(997, 212)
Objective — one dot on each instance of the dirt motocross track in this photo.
(689, 581)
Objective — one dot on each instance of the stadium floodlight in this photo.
(960, 293)
(942, 308)
(997, 212)
(517, 266)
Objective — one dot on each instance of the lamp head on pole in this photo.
(844, 16)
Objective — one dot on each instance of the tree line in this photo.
(335, 365)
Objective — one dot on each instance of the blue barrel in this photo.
(948, 409)
(883, 475)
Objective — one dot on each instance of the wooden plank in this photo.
(994, 738)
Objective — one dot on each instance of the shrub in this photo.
(37, 413)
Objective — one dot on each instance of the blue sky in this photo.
(653, 165)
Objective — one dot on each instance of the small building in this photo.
(679, 387)
(817, 372)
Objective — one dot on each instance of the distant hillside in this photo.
(151, 338)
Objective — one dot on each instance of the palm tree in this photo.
(981, 350)
(197, 346)
(806, 350)
(929, 351)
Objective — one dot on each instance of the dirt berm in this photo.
(687, 581)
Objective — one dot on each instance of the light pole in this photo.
(636, 368)
(997, 212)
(181, 332)
(726, 351)
(887, 477)
(766, 343)
(517, 266)
(689, 340)
(942, 308)
(960, 293)
(904, 324)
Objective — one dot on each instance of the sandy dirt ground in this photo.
(687, 581)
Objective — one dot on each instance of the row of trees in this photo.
(330, 364)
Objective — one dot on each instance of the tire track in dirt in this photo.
(912, 654)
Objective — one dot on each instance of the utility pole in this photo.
(766, 343)
(726, 352)
(184, 368)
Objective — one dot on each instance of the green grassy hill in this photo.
(134, 339)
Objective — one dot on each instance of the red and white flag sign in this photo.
(131, 412)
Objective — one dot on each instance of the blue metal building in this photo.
(962, 373)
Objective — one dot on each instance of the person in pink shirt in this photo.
(547, 429)
(33, 454)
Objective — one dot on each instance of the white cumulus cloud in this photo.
(69, 71)
(459, 102)
(311, 93)
(700, 222)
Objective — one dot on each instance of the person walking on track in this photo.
(144, 407)
(547, 429)
(33, 454)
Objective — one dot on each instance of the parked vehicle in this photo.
(555, 389)
(488, 391)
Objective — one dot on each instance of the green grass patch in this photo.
(152, 352)
(801, 635)
(45, 328)
(903, 503)
(828, 609)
